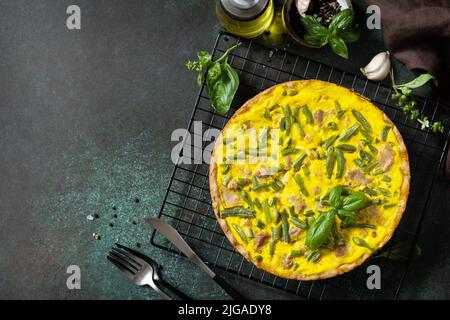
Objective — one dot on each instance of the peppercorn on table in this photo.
(308, 179)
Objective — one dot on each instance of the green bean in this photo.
(287, 125)
(267, 115)
(313, 256)
(373, 149)
(370, 166)
(349, 132)
(276, 231)
(385, 132)
(360, 225)
(332, 126)
(260, 224)
(242, 182)
(340, 160)
(267, 213)
(289, 151)
(237, 212)
(258, 259)
(384, 192)
(283, 124)
(260, 186)
(389, 205)
(286, 110)
(226, 169)
(240, 232)
(377, 172)
(249, 233)
(362, 243)
(346, 147)
(386, 178)
(295, 114)
(275, 186)
(329, 141)
(308, 114)
(279, 183)
(300, 130)
(295, 266)
(255, 180)
(368, 136)
(292, 92)
(244, 195)
(309, 213)
(275, 106)
(292, 211)
(258, 203)
(306, 170)
(285, 228)
(358, 116)
(226, 180)
(339, 111)
(370, 192)
(272, 245)
(297, 163)
(296, 253)
(298, 179)
(330, 162)
(359, 162)
(365, 155)
(272, 201)
(299, 223)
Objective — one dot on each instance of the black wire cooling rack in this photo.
(187, 202)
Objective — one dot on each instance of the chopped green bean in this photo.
(244, 195)
(358, 116)
(330, 162)
(258, 259)
(365, 155)
(362, 243)
(299, 161)
(242, 182)
(240, 232)
(339, 111)
(349, 132)
(313, 256)
(298, 179)
(249, 233)
(329, 141)
(287, 152)
(267, 214)
(385, 132)
(296, 253)
(260, 186)
(276, 231)
(299, 223)
(272, 245)
(258, 203)
(332, 126)
(373, 149)
(359, 162)
(272, 201)
(370, 166)
(300, 130)
(340, 160)
(346, 148)
(308, 115)
(260, 224)
(360, 225)
(237, 212)
(377, 172)
(226, 180)
(226, 169)
(292, 92)
(386, 178)
(285, 228)
(384, 192)
(306, 170)
(309, 213)
(389, 205)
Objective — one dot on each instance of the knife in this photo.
(177, 240)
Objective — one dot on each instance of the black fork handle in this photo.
(228, 289)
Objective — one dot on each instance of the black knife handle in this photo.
(228, 289)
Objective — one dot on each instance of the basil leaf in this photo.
(356, 201)
(342, 20)
(222, 82)
(347, 217)
(320, 230)
(338, 46)
(315, 33)
(348, 35)
(335, 196)
(418, 82)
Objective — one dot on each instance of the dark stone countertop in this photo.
(85, 123)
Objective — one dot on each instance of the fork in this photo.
(142, 270)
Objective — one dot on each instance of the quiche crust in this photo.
(216, 200)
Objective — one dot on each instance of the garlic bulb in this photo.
(378, 68)
(302, 6)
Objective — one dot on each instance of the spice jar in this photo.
(245, 18)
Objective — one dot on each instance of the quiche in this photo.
(308, 179)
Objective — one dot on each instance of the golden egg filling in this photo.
(308, 179)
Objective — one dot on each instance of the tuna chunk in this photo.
(387, 156)
(294, 231)
(232, 185)
(260, 240)
(287, 262)
(230, 198)
(340, 251)
(357, 177)
(264, 172)
(298, 203)
(318, 117)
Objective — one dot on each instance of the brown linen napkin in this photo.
(417, 32)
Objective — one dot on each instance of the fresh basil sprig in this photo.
(402, 94)
(344, 206)
(338, 33)
(221, 79)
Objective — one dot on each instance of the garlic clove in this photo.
(302, 6)
(378, 68)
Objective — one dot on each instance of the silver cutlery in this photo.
(142, 270)
(174, 237)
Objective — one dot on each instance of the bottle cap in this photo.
(244, 9)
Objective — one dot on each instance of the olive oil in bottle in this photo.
(245, 18)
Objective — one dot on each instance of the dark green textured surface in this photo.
(85, 124)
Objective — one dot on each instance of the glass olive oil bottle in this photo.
(245, 18)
